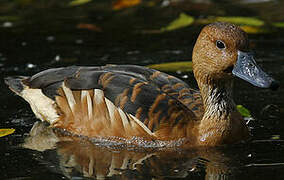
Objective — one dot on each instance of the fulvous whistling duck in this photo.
(128, 101)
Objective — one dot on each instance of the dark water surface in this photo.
(35, 35)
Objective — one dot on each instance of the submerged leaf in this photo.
(182, 21)
(173, 66)
(120, 4)
(78, 2)
(5, 132)
(244, 111)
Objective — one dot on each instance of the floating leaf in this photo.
(79, 2)
(240, 20)
(182, 21)
(5, 132)
(255, 30)
(205, 21)
(120, 4)
(278, 24)
(244, 111)
(173, 66)
(275, 137)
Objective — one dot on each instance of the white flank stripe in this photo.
(83, 94)
(111, 109)
(89, 102)
(69, 96)
(124, 118)
(98, 96)
(142, 125)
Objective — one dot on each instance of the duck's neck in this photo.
(221, 122)
(218, 100)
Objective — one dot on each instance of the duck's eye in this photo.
(220, 44)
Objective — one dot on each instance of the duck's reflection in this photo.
(81, 157)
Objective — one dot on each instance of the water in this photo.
(43, 34)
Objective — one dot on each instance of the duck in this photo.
(136, 102)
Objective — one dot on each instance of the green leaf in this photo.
(244, 111)
(5, 132)
(184, 66)
(182, 21)
(240, 20)
(78, 2)
(250, 21)
(275, 137)
(278, 24)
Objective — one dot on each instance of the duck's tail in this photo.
(42, 106)
(15, 83)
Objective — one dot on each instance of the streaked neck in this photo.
(218, 100)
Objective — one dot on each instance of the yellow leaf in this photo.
(5, 132)
(255, 30)
(182, 21)
(173, 66)
(275, 137)
(79, 2)
(120, 4)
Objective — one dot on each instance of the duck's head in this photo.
(221, 52)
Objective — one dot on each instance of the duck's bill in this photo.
(247, 69)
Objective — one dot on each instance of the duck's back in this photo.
(124, 100)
